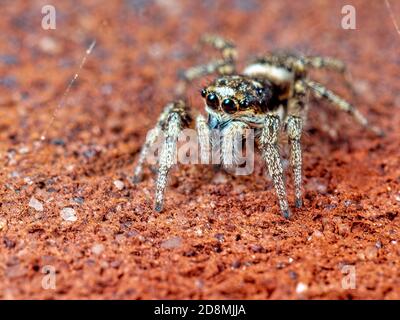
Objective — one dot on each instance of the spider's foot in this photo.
(298, 203)
(137, 178)
(158, 206)
(378, 131)
(286, 214)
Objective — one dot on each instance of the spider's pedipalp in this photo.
(271, 156)
(203, 132)
(231, 143)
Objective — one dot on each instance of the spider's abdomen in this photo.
(280, 77)
(275, 74)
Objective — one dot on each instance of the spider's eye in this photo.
(203, 93)
(260, 91)
(212, 101)
(229, 105)
(243, 104)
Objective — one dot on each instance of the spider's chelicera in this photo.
(270, 94)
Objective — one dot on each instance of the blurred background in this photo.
(220, 237)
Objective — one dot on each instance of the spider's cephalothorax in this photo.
(268, 95)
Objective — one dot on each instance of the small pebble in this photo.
(293, 275)
(219, 178)
(348, 203)
(198, 232)
(301, 288)
(58, 142)
(9, 82)
(316, 184)
(35, 204)
(256, 248)
(8, 243)
(78, 200)
(119, 184)
(371, 252)
(106, 89)
(3, 223)
(90, 153)
(8, 59)
(132, 233)
(317, 234)
(361, 256)
(219, 237)
(343, 229)
(171, 243)
(14, 174)
(68, 214)
(239, 189)
(28, 181)
(23, 150)
(49, 45)
(97, 249)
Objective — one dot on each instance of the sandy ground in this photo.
(220, 236)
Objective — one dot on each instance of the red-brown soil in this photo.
(220, 236)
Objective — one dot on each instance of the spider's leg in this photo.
(167, 158)
(321, 92)
(219, 66)
(151, 138)
(270, 154)
(334, 64)
(294, 128)
(325, 63)
(177, 119)
(171, 122)
(226, 47)
(224, 66)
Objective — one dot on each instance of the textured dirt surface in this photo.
(220, 236)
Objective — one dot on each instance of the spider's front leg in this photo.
(270, 154)
(173, 119)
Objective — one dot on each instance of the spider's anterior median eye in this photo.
(212, 101)
(229, 105)
(243, 104)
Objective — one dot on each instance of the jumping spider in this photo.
(271, 91)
